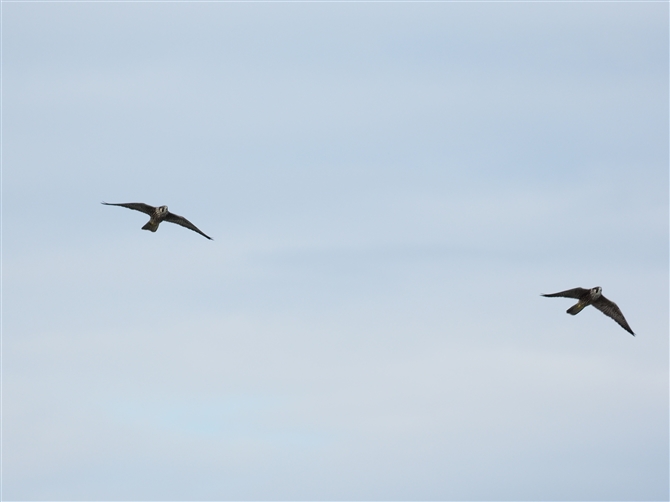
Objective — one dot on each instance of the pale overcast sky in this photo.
(390, 187)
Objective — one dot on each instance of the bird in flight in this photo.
(159, 214)
(595, 298)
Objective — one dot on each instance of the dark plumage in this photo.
(593, 297)
(159, 214)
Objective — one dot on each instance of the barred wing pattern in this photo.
(611, 309)
(570, 293)
(137, 206)
(180, 220)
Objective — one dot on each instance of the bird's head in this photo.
(163, 209)
(597, 291)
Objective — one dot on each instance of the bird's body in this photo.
(157, 215)
(595, 298)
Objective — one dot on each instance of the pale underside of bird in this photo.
(595, 298)
(159, 214)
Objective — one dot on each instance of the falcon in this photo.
(157, 215)
(594, 297)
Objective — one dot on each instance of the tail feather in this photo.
(576, 308)
(152, 227)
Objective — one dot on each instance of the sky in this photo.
(390, 188)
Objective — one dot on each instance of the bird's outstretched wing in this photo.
(610, 309)
(137, 206)
(570, 293)
(180, 220)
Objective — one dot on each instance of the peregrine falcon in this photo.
(159, 214)
(594, 297)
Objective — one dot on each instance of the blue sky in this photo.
(390, 187)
